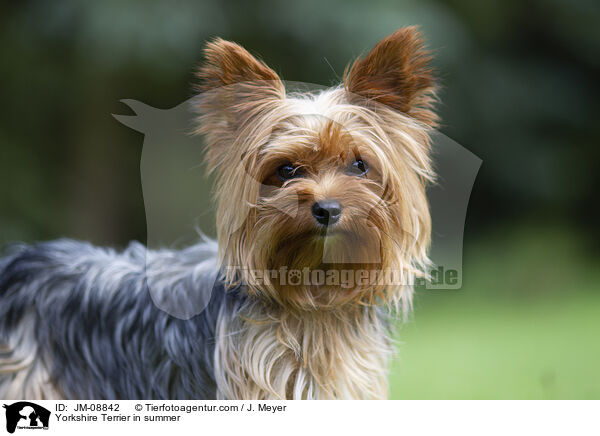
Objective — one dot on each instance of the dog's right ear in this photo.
(235, 88)
(228, 63)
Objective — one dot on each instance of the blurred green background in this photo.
(520, 89)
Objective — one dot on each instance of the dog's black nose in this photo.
(327, 212)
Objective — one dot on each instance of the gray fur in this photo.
(97, 326)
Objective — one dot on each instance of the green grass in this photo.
(526, 325)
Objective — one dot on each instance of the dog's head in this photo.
(332, 181)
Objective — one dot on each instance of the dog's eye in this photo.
(358, 168)
(288, 172)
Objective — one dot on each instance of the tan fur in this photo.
(397, 73)
(305, 341)
(390, 207)
(311, 341)
(306, 355)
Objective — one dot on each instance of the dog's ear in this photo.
(397, 73)
(228, 63)
(235, 88)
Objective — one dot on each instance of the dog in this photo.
(326, 184)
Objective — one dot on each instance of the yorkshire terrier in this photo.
(311, 187)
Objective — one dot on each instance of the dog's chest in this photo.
(319, 356)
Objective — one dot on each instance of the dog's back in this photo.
(78, 321)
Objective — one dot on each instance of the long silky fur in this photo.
(318, 355)
(80, 322)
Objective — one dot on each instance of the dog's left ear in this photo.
(235, 88)
(396, 73)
